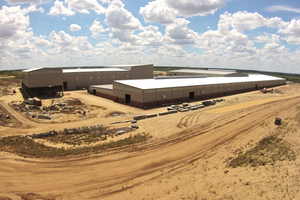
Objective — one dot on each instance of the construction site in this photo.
(185, 135)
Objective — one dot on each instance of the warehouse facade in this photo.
(49, 81)
(147, 93)
(42, 81)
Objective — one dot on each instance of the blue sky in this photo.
(240, 34)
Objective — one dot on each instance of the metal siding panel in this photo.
(79, 80)
(207, 89)
(178, 92)
(167, 92)
(98, 78)
(89, 79)
(105, 76)
(70, 79)
(44, 78)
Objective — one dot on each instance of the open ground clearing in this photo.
(188, 156)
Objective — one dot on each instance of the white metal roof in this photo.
(93, 70)
(32, 69)
(145, 84)
(108, 86)
(203, 71)
(35, 69)
(134, 65)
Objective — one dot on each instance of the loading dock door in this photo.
(65, 86)
(127, 98)
(192, 96)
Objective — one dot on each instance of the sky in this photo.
(259, 35)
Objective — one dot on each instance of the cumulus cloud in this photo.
(83, 6)
(74, 27)
(179, 33)
(292, 30)
(13, 2)
(32, 8)
(13, 23)
(246, 21)
(151, 37)
(119, 18)
(23, 46)
(97, 28)
(41, 41)
(195, 7)
(63, 42)
(123, 36)
(269, 38)
(158, 11)
(165, 11)
(282, 8)
(60, 9)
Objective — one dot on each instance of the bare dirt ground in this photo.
(185, 159)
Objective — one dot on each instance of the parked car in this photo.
(172, 107)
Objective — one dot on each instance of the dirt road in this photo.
(169, 165)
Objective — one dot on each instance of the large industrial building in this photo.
(134, 85)
(146, 93)
(51, 81)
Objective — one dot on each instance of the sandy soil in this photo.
(186, 158)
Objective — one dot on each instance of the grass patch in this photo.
(86, 135)
(76, 139)
(28, 147)
(268, 150)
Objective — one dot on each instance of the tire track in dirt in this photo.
(103, 175)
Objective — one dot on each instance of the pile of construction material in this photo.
(6, 116)
(33, 107)
(174, 109)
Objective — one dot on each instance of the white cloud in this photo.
(158, 11)
(282, 8)
(269, 38)
(63, 42)
(119, 18)
(13, 23)
(22, 46)
(292, 30)
(60, 9)
(195, 7)
(123, 36)
(151, 37)
(32, 9)
(97, 28)
(13, 2)
(274, 48)
(83, 42)
(246, 21)
(83, 6)
(41, 42)
(179, 33)
(74, 27)
(165, 11)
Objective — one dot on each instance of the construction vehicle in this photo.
(277, 121)
(266, 91)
